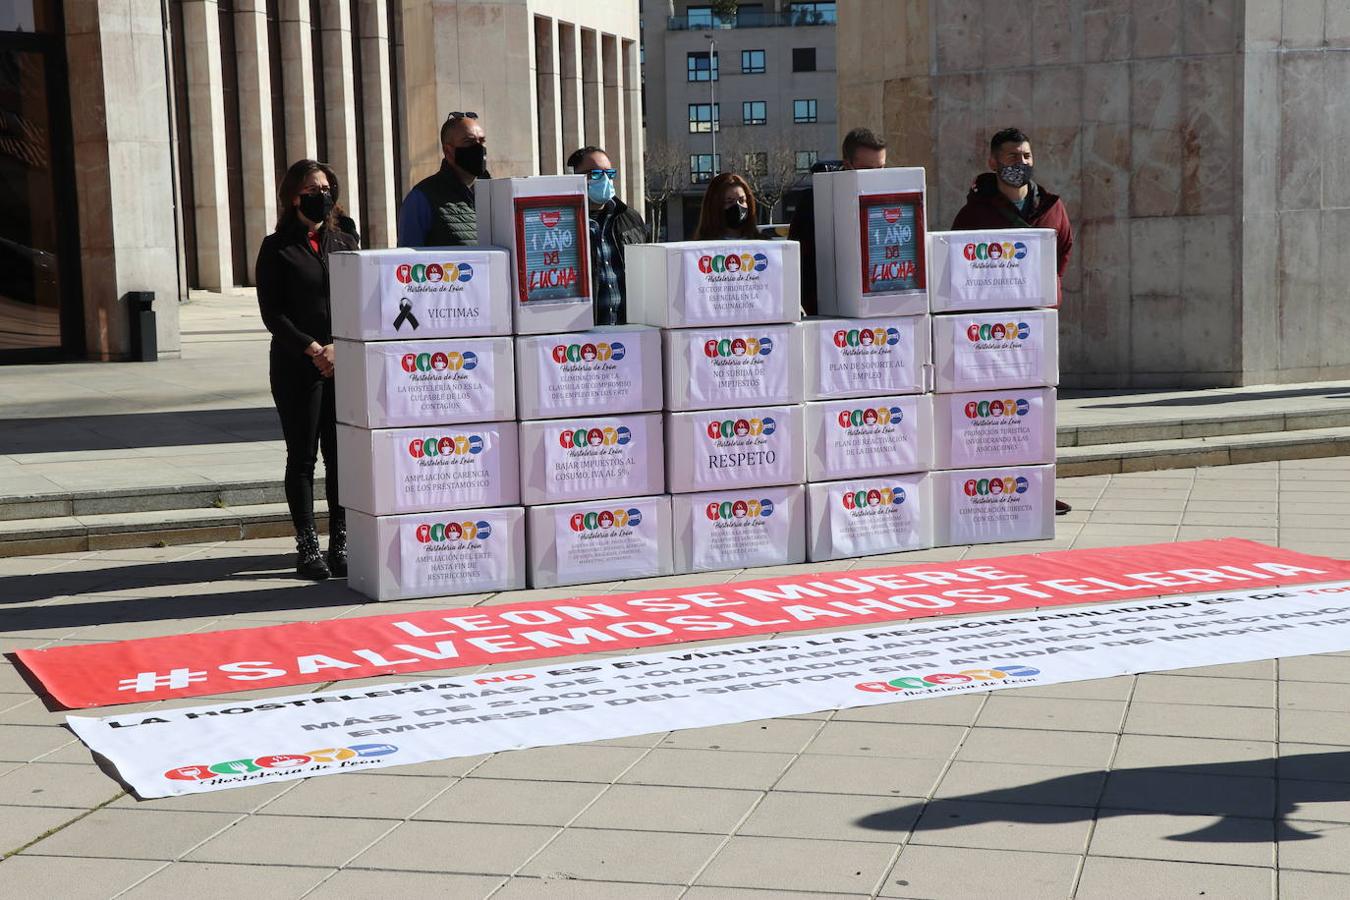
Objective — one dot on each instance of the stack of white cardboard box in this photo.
(426, 406)
(735, 424)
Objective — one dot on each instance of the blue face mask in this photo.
(600, 191)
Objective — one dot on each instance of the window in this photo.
(803, 111)
(704, 118)
(803, 59)
(703, 166)
(757, 164)
(752, 62)
(700, 16)
(754, 112)
(702, 66)
(821, 13)
(805, 160)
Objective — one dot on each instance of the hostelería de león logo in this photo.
(444, 447)
(869, 417)
(995, 488)
(732, 263)
(439, 362)
(873, 498)
(983, 412)
(743, 347)
(941, 682)
(994, 251)
(452, 533)
(597, 437)
(604, 520)
(600, 351)
(260, 766)
(846, 338)
(743, 510)
(993, 334)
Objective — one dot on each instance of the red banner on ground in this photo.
(222, 662)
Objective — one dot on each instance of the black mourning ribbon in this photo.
(405, 314)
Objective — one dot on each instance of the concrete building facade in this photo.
(1199, 147)
(752, 93)
(142, 141)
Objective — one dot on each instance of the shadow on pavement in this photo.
(1251, 803)
(126, 430)
(239, 570)
(1219, 397)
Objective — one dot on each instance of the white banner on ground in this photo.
(167, 752)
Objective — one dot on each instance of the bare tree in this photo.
(769, 166)
(667, 171)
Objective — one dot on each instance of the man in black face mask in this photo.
(1009, 197)
(439, 211)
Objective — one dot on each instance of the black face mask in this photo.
(472, 159)
(735, 215)
(1016, 174)
(316, 207)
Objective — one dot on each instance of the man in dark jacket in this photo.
(1009, 197)
(862, 150)
(614, 225)
(439, 211)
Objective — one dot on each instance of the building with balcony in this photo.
(753, 92)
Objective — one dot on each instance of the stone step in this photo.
(1196, 427)
(1217, 450)
(147, 528)
(149, 498)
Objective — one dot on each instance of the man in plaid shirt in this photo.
(614, 225)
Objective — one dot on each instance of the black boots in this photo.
(337, 547)
(308, 560)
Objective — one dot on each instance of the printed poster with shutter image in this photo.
(551, 249)
(892, 243)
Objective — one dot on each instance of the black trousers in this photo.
(305, 404)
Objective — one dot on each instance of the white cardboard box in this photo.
(867, 517)
(994, 506)
(591, 458)
(600, 372)
(870, 247)
(405, 470)
(754, 446)
(999, 428)
(739, 528)
(715, 368)
(581, 543)
(543, 222)
(878, 357)
(1006, 268)
(688, 284)
(994, 351)
(858, 438)
(464, 551)
(386, 384)
(386, 295)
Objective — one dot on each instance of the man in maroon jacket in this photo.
(1008, 197)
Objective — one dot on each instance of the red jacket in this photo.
(986, 207)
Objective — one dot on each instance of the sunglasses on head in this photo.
(597, 174)
(461, 115)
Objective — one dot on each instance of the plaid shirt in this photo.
(604, 276)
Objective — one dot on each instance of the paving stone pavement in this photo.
(1227, 781)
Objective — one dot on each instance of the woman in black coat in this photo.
(292, 280)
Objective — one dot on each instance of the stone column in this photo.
(206, 113)
(379, 228)
(634, 180)
(119, 91)
(255, 126)
(570, 91)
(297, 80)
(591, 88)
(613, 102)
(547, 89)
(339, 93)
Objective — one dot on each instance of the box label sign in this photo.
(989, 429)
(873, 517)
(582, 373)
(450, 383)
(722, 286)
(988, 268)
(892, 239)
(739, 530)
(438, 551)
(551, 263)
(737, 365)
(615, 538)
(736, 446)
(439, 297)
(993, 349)
(990, 506)
(449, 468)
(583, 456)
(871, 436)
(876, 358)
